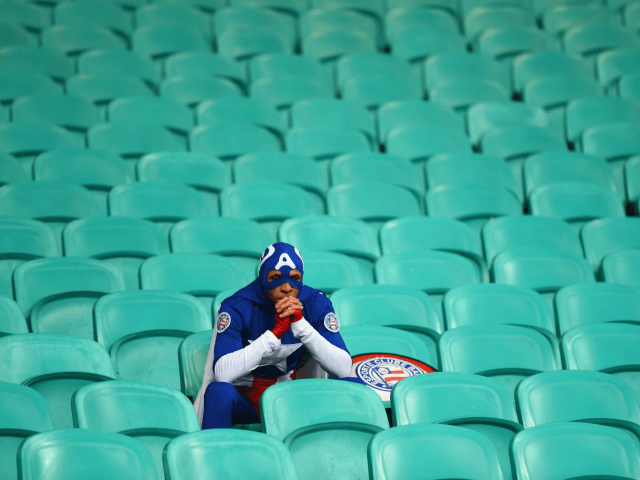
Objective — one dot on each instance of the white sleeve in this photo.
(332, 359)
(234, 365)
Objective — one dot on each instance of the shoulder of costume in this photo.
(308, 294)
(251, 294)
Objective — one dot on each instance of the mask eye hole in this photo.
(273, 275)
(295, 275)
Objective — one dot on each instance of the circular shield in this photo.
(381, 371)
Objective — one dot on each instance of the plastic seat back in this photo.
(160, 41)
(11, 171)
(621, 267)
(531, 66)
(460, 94)
(38, 60)
(361, 340)
(73, 113)
(325, 143)
(591, 40)
(611, 65)
(460, 65)
(242, 110)
(607, 235)
(230, 140)
(164, 111)
(12, 319)
(487, 115)
(330, 271)
(282, 92)
(419, 142)
(417, 44)
(371, 91)
(192, 359)
(243, 43)
(184, 457)
(205, 63)
(72, 40)
(586, 450)
(101, 453)
(515, 143)
(58, 294)
(443, 451)
(179, 15)
(119, 61)
(505, 43)
(590, 112)
(328, 46)
(104, 86)
(198, 87)
(273, 65)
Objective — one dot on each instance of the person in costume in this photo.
(273, 330)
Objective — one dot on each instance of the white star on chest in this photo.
(278, 358)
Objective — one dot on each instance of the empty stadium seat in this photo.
(414, 112)
(172, 14)
(73, 40)
(419, 142)
(460, 65)
(503, 44)
(12, 34)
(201, 275)
(320, 19)
(515, 143)
(94, 15)
(460, 94)
(24, 413)
(325, 143)
(96, 170)
(162, 111)
(591, 40)
(118, 61)
(84, 453)
(267, 203)
(283, 91)
(143, 329)
(357, 415)
(417, 44)
(205, 63)
(472, 204)
(243, 43)
(329, 45)
(15, 83)
(11, 171)
(538, 65)
(471, 401)
(367, 64)
(362, 340)
(443, 450)
(189, 456)
(576, 203)
(331, 271)
(54, 203)
(162, 202)
(622, 267)
(632, 179)
(574, 450)
(560, 18)
(394, 306)
(241, 109)
(12, 319)
(37, 60)
(273, 65)
(374, 203)
(611, 65)
(192, 357)
(120, 241)
(629, 87)
(507, 353)
(55, 366)
(161, 41)
(230, 140)
(248, 17)
(337, 234)
(481, 18)
(149, 413)
(32, 17)
(607, 235)
(485, 116)
(506, 233)
(491, 303)
(591, 112)
(104, 86)
(196, 88)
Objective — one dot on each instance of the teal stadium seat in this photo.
(460, 66)
(591, 112)
(393, 306)
(230, 140)
(243, 43)
(485, 116)
(414, 112)
(561, 18)
(96, 170)
(104, 86)
(33, 18)
(491, 303)
(361, 339)
(632, 179)
(574, 450)
(325, 143)
(576, 203)
(324, 442)
(432, 452)
(12, 319)
(632, 16)
(371, 91)
(460, 94)
(163, 111)
(151, 414)
(11, 170)
(142, 330)
(173, 14)
(622, 267)
(84, 453)
(57, 294)
(274, 65)
(449, 169)
(192, 359)
(321, 19)
(373, 8)
(604, 347)
(198, 87)
(418, 143)
(24, 413)
(613, 64)
(205, 63)
(314, 113)
(161, 41)
(331, 271)
(54, 366)
(591, 40)
(285, 167)
(575, 396)
(118, 61)
(283, 91)
(94, 15)
(374, 203)
(608, 235)
(242, 110)
(164, 203)
(538, 65)
(120, 241)
(54, 203)
(189, 456)
(480, 18)
(243, 241)
(21, 240)
(417, 44)
(366, 64)
(12, 34)
(629, 87)
(267, 203)
(15, 83)
(37, 60)
(205, 173)
(526, 231)
(328, 46)
(506, 43)
(262, 19)
(201, 275)
(469, 401)
(363, 167)
(399, 19)
(73, 40)
(507, 353)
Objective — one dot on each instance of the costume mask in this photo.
(284, 258)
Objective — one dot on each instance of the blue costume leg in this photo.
(354, 380)
(224, 407)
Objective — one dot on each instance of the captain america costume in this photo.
(246, 357)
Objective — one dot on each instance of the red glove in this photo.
(297, 315)
(282, 325)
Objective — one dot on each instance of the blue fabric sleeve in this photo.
(321, 306)
(230, 340)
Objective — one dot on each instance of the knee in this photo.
(219, 393)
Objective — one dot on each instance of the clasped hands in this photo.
(288, 310)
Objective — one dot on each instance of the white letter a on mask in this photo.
(285, 260)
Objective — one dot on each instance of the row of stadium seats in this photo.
(474, 435)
